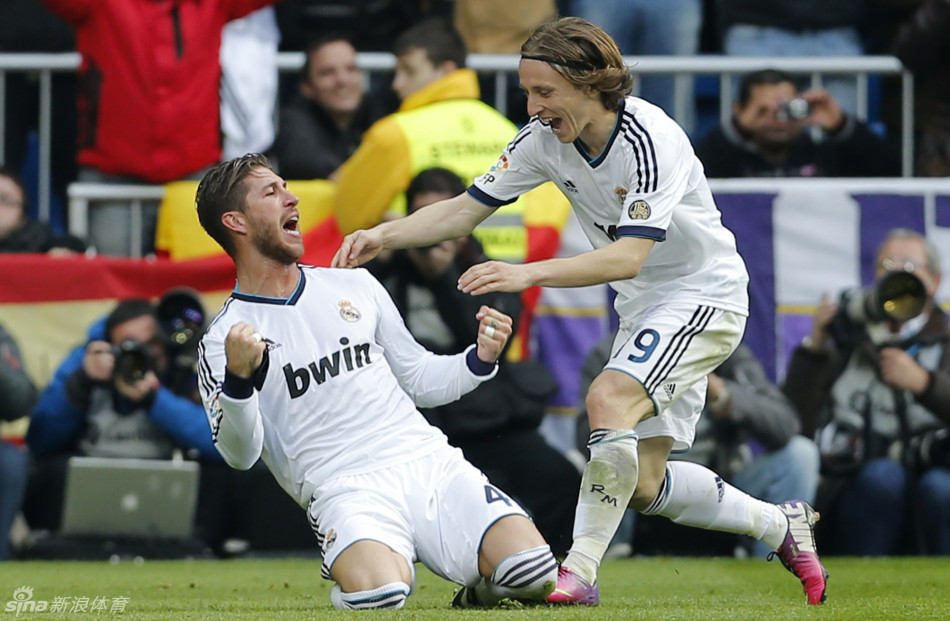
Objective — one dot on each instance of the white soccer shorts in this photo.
(435, 509)
(670, 349)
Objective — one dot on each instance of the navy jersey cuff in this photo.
(487, 199)
(649, 232)
(237, 387)
(476, 365)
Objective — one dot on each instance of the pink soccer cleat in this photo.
(571, 589)
(798, 552)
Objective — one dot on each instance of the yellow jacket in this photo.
(443, 124)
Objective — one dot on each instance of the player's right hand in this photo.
(358, 247)
(494, 330)
(244, 348)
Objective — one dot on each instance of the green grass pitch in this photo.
(654, 589)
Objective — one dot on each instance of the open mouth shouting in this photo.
(291, 225)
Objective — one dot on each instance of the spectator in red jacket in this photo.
(148, 98)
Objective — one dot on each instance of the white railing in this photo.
(726, 67)
(82, 193)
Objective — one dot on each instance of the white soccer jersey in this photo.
(337, 394)
(646, 183)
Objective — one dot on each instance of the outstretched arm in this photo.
(432, 380)
(617, 261)
(447, 219)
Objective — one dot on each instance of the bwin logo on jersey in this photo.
(639, 210)
(298, 380)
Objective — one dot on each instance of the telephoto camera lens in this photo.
(181, 316)
(897, 296)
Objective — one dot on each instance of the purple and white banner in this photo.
(804, 237)
(800, 238)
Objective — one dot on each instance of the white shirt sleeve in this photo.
(517, 171)
(431, 380)
(236, 426)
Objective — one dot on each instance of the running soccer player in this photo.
(641, 197)
(313, 371)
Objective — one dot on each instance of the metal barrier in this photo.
(81, 193)
(726, 67)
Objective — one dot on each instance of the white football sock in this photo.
(694, 495)
(530, 574)
(391, 596)
(607, 485)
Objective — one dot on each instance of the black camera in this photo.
(793, 110)
(133, 360)
(181, 317)
(931, 448)
(896, 297)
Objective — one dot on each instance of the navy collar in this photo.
(263, 299)
(594, 162)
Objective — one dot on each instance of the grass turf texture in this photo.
(648, 588)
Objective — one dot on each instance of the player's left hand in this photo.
(494, 330)
(900, 370)
(492, 276)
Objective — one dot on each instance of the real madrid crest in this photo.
(621, 194)
(348, 312)
(639, 210)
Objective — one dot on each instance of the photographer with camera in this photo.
(769, 135)
(130, 392)
(872, 382)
